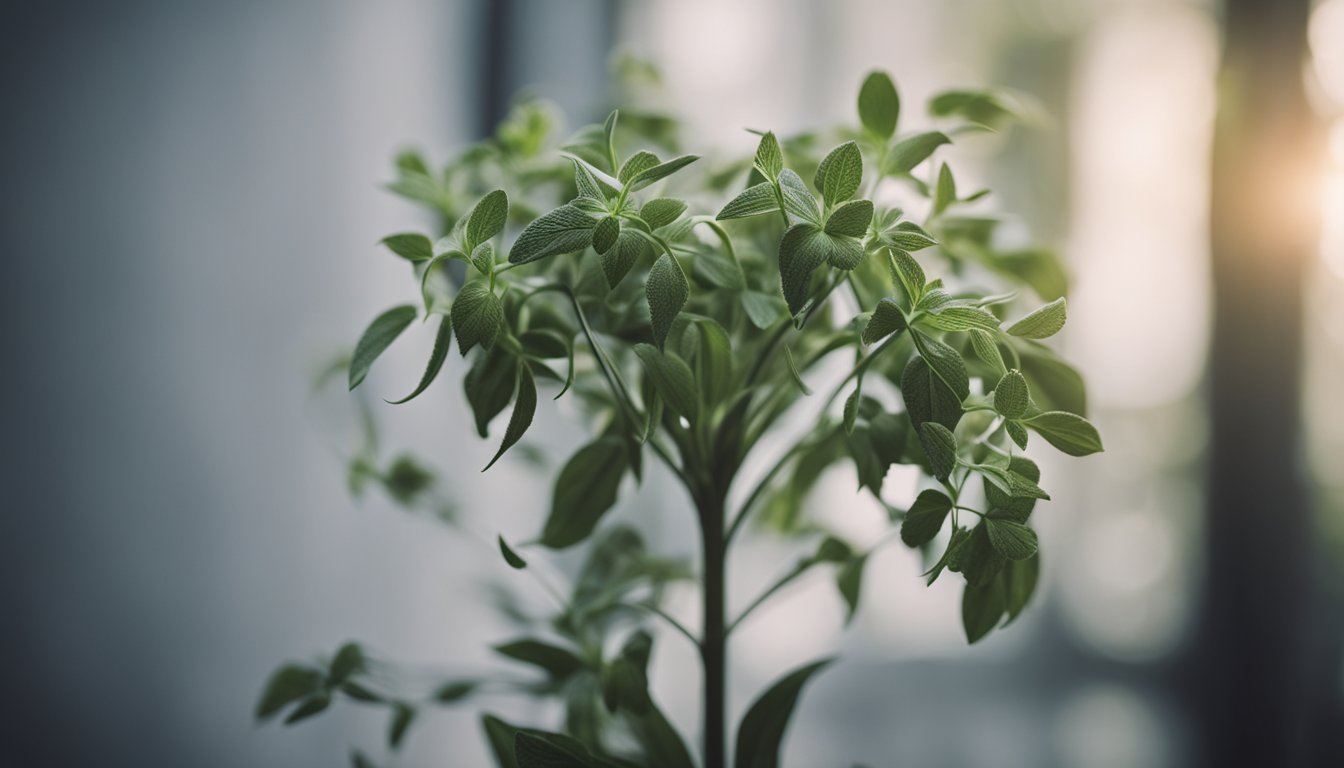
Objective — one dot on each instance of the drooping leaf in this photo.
(443, 342)
(512, 558)
(940, 446)
(1068, 432)
(477, 316)
(617, 261)
(1013, 540)
(402, 716)
(879, 105)
(584, 491)
(557, 662)
(849, 580)
(1046, 321)
(376, 338)
(524, 408)
(925, 518)
(886, 319)
(489, 385)
(666, 291)
(981, 609)
(761, 732)
(803, 248)
(564, 230)
(287, 685)
(1019, 577)
(672, 379)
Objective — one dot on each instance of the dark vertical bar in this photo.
(496, 79)
(1264, 228)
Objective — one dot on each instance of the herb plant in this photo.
(687, 305)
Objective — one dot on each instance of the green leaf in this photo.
(477, 316)
(1020, 577)
(483, 258)
(410, 246)
(314, 705)
(925, 518)
(886, 319)
(500, 735)
(349, 659)
(443, 342)
(945, 192)
(908, 236)
(512, 558)
(672, 379)
(487, 218)
(1017, 432)
(926, 397)
(752, 201)
(402, 715)
(1043, 323)
(605, 234)
(455, 691)
(832, 550)
(360, 760)
(840, 173)
(851, 412)
(662, 211)
(719, 271)
(879, 105)
(666, 290)
(584, 490)
(763, 309)
(616, 262)
(982, 342)
(638, 163)
(1010, 395)
(489, 385)
(981, 609)
(661, 171)
(761, 732)
(1002, 502)
(1011, 539)
(1055, 385)
(909, 274)
(946, 363)
(797, 199)
(564, 230)
(713, 362)
(940, 445)
(376, 338)
(1068, 432)
(851, 219)
(535, 749)
(959, 318)
(559, 663)
(977, 559)
(524, 408)
(803, 248)
(913, 150)
(624, 687)
(769, 159)
(849, 580)
(287, 685)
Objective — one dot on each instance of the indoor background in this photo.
(191, 197)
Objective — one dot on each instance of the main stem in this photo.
(713, 642)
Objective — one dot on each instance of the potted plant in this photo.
(686, 305)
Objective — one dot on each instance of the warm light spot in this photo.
(1332, 203)
(1326, 36)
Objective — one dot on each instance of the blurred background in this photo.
(190, 204)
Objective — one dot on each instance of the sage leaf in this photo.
(1043, 323)
(402, 716)
(672, 379)
(946, 363)
(666, 290)
(1012, 539)
(798, 201)
(1068, 432)
(940, 445)
(477, 316)
(1020, 577)
(849, 581)
(925, 518)
(958, 318)
(752, 201)
(763, 309)
(511, 557)
(762, 729)
(605, 234)
(840, 173)
(981, 609)
(410, 246)
(982, 342)
(769, 159)
(851, 219)
(909, 274)
(803, 248)
(584, 490)
(879, 105)
(617, 261)
(913, 150)
(489, 385)
(662, 211)
(376, 339)
(886, 319)
(287, 685)
(487, 218)
(564, 230)
(661, 171)
(443, 342)
(926, 397)
(1010, 395)
(638, 163)
(524, 408)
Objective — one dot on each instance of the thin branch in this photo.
(665, 616)
(787, 579)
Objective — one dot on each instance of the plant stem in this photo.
(713, 641)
